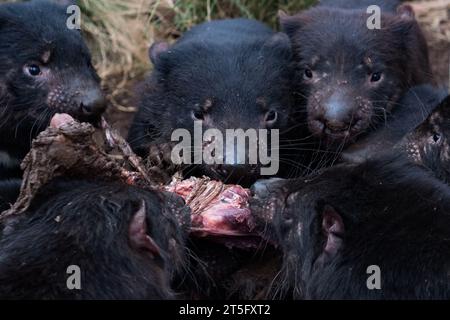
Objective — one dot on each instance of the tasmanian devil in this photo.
(228, 74)
(414, 107)
(125, 241)
(419, 128)
(376, 230)
(352, 72)
(429, 144)
(46, 68)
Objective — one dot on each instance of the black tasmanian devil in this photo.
(229, 74)
(126, 242)
(46, 68)
(429, 144)
(353, 76)
(375, 230)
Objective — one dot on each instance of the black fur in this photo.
(9, 191)
(411, 111)
(34, 33)
(429, 144)
(232, 73)
(386, 212)
(353, 76)
(87, 224)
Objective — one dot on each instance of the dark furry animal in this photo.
(127, 243)
(411, 111)
(429, 144)
(9, 191)
(353, 76)
(46, 68)
(420, 129)
(229, 74)
(387, 213)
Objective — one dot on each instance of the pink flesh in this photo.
(60, 119)
(227, 214)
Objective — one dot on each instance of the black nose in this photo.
(336, 116)
(337, 108)
(92, 103)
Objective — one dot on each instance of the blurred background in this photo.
(119, 33)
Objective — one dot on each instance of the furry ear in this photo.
(138, 236)
(280, 44)
(289, 24)
(333, 230)
(155, 51)
(405, 11)
(404, 20)
(403, 26)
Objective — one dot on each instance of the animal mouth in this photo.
(337, 132)
(84, 116)
(244, 175)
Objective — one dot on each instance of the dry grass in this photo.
(189, 13)
(434, 17)
(119, 32)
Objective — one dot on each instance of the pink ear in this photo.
(156, 50)
(333, 229)
(138, 236)
(405, 11)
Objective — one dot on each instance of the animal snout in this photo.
(92, 102)
(336, 114)
(333, 116)
(327, 124)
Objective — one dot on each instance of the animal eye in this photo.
(198, 115)
(436, 137)
(308, 74)
(375, 77)
(33, 70)
(271, 116)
